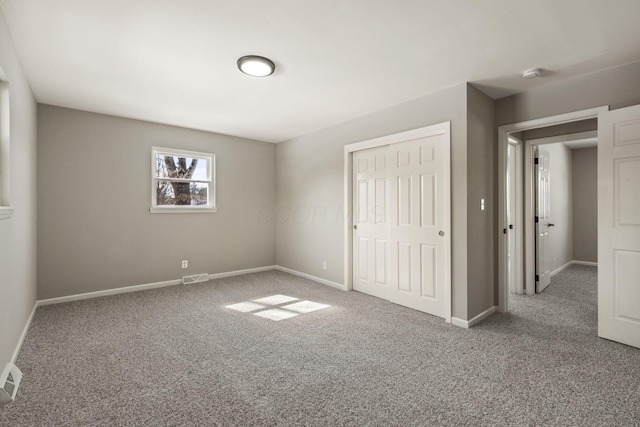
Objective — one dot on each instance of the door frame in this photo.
(503, 141)
(530, 195)
(437, 129)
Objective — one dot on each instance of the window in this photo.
(5, 206)
(182, 181)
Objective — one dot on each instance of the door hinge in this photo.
(536, 219)
(504, 231)
(535, 161)
(537, 278)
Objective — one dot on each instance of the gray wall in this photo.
(617, 87)
(561, 208)
(585, 204)
(95, 231)
(481, 184)
(310, 193)
(18, 234)
(564, 129)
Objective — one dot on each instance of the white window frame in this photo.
(211, 173)
(6, 210)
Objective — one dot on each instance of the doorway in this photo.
(508, 142)
(565, 209)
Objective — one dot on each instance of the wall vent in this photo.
(9, 382)
(196, 278)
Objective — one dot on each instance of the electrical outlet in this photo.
(185, 263)
(324, 265)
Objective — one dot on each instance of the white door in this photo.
(420, 227)
(371, 220)
(543, 198)
(402, 232)
(619, 225)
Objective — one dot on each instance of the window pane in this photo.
(181, 167)
(181, 194)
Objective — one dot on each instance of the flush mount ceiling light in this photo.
(256, 66)
(532, 73)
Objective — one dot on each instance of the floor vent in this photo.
(9, 382)
(196, 278)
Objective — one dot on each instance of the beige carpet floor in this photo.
(177, 356)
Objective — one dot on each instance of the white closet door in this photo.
(420, 229)
(619, 225)
(371, 222)
(401, 219)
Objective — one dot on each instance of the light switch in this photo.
(481, 204)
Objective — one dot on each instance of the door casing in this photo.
(515, 235)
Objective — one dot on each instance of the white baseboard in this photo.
(310, 277)
(479, 318)
(144, 287)
(107, 292)
(24, 334)
(241, 272)
(562, 267)
(570, 263)
(594, 264)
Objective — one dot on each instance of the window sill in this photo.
(181, 210)
(6, 212)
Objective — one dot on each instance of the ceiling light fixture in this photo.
(256, 66)
(532, 73)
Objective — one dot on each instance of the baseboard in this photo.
(144, 287)
(570, 263)
(562, 267)
(310, 277)
(479, 318)
(241, 272)
(24, 334)
(108, 292)
(593, 264)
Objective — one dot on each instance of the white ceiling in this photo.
(174, 62)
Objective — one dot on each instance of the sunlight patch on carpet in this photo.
(275, 300)
(246, 307)
(305, 306)
(276, 314)
(277, 307)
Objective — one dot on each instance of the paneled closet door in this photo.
(401, 217)
(420, 226)
(371, 222)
